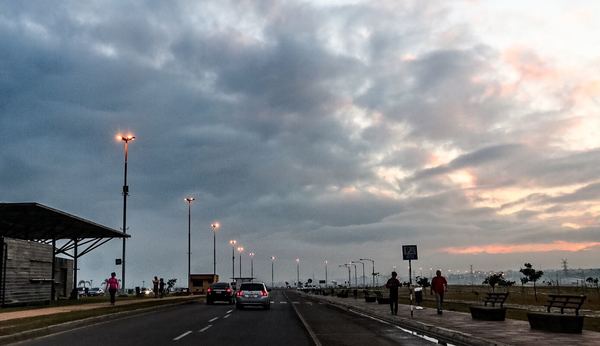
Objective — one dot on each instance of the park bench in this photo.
(381, 299)
(559, 322)
(369, 298)
(493, 312)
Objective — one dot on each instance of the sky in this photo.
(317, 130)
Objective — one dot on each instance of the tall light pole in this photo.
(251, 254)
(363, 275)
(232, 243)
(125, 138)
(297, 272)
(189, 200)
(214, 227)
(325, 273)
(272, 271)
(349, 275)
(373, 263)
(240, 250)
(355, 280)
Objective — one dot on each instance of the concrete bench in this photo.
(559, 322)
(495, 311)
(369, 298)
(381, 299)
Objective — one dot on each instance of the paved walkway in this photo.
(51, 310)
(511, 332)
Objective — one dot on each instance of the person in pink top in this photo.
(439, 286)
(112, 285)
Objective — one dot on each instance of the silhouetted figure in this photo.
(161, 288)
(439, 286)
(112, 285)
(155, 283)
(393, 284)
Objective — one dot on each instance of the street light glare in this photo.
(189, 199)
(233, 242)
(215, 225)
(240, 248)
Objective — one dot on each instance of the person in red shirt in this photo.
(112, 285)
(439, 286)
(393, 284)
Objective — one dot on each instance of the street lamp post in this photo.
(363, 272)
(189, 200)
(240, 250)
(297, 272)
(272, 271)
(355, 280)
(325, 273)
(251, 254)
(214, 227)
(232, 243)
(128, 138)
(373, 272)
(349, 274)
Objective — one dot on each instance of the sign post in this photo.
(409, 253)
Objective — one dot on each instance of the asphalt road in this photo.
(222, 324)
(333, 326)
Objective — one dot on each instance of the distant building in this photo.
(199, 283)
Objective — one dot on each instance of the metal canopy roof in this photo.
(34, 221)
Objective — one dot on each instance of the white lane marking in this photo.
(282, 302)
(272, 301)
(213, 319)
(422, 336)
(182, 335)
(224, 317)
(295, 302)
(228, 312)
(205, 328)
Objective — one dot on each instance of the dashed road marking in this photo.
(295, 302)
(224, 317)
(205, 328)
(182, 335)
(282, 302)
(228, 312)
(213, 319)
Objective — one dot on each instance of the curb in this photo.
(442, 334)
(66, 326)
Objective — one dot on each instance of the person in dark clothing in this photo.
(161, 287)
(393, 284)
(155, 283)
(439, 286)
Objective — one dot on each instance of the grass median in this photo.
(18, 325)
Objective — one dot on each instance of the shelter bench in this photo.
(559, 322)
(381, 299)
(369, 298)
(492, 312)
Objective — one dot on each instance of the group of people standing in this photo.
(158, 287)
(439, 286)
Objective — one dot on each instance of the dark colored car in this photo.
(220, 291)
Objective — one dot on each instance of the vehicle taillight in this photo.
(240, 293)
(209, 290)
(228, 290)
(264, 293)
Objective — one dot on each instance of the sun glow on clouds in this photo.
(495, 249)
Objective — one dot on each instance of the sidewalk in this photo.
(461, 327)
(51, 310)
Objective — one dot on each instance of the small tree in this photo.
(171, 284)
(493, 280)
(531, 275)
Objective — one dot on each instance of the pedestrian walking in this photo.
(112, 285)
(155, 283)
(393, 284)
(161, 288)
(439, 286)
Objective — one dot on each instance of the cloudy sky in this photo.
(310, 129)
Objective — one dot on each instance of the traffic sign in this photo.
(409, 252)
